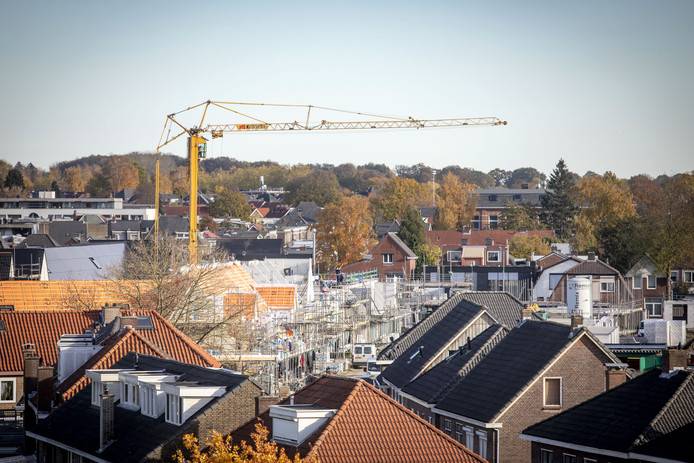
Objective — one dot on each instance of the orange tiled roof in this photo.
(240, 303)
(41, 328)
(164, 341)
(368, 427)
(278, 297)
(52, 295)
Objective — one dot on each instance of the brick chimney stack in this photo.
(106, 428)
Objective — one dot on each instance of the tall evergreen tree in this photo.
(412, 233)
(14, 178)
(559, 208)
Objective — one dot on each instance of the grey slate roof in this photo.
(509, 367)
(501, 305)
(76, 422)
(411, 336)
(384, 228)
(87, 262)
(252, 249)
(38, 240)
(504, 196)
(308, 210)
(627, 417)
(63, 232)
(592, 267)
(435, 383)
(410, 363)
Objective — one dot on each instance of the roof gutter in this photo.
(481, 424)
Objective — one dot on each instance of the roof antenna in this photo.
(137, 360)
(469, 344)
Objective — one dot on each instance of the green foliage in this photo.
(520, 217)
(99, 186)
(14, 179)
(525, 176)
(232, 204)
(558, 202)
(500, 176)
(412, 232)
(525, 246)
(467, 175)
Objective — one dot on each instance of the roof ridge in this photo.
(642, 435)
(398, 406)
(187, 340)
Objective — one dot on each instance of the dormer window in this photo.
(149, 401)
(98, 388)
(185, 398)
(130, 395)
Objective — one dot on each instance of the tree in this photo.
(344, 232)
(99, 186)
(559, 208)
(526, 176)
(230, 204)
(525, 246)
(14, 179)
(431, 254)
(500, 176)
(122, 173)
(159, 277)
(320, 186)
(413, 234)
(418, 172)
(220, 449)
(467, 175)
(75, 178)
(606, 201)
(622, 244)
(398, 195)
(456, 204)
(520, 217)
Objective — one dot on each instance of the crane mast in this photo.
(197, 143)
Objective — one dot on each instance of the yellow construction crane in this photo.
(174, 128)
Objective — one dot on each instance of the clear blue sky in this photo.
(606, 85)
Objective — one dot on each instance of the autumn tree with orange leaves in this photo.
(220, 449)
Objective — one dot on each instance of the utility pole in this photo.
(433, 188)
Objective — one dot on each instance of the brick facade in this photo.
(400, 265)
(559, 452)
(583, 372)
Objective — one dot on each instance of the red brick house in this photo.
(537, 370)
(391, 257)
(649, 285)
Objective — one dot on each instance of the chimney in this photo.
(576, 321)
(31, 373)
(616, 375)
(45, 388)
(110, 313)
(263, 403)
(106, 420)
(675, 359)
(591, 255)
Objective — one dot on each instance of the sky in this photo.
(605, 85)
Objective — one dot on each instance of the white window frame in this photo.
(98, 388)
(544, 392)
(148, 401)
(639, 279)
(589, 460)
(608, 284)
(174, 409)
(386, 259)
(650, 310)
(458, 253)
(447, 425)
(13, 400)
(482, 444)
(459, 432)
(648, 282)
(688, 276)
(130, 395)
(498, 254)
(570, 455)
(469, 438)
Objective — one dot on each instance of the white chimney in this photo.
(293, 424)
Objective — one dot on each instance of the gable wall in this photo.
(583, 376)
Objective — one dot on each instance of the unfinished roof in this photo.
(62, 295)
(90, 262)
(593, 267)
(368, 427)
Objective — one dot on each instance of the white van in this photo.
(362, 354)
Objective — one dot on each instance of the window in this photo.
(469, 439)
(131, 395)
(516, 197)
(673, 276)
(388, 258)
(493, 256)
(367, 350)
(454, 256)
(546, 456)
(552, 392)
(688, 276)
(174, 407)
(447, 425)
(569, 458)
(98, 388)
(607, 286)
(491, 197)
(651, 283)
(482, 439)
(149, 401)
(357, 350)
(476, 222)
(654, 309)
(7, 390)
(638, 282)
(459, 432)
(493, 222)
